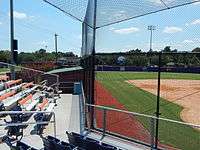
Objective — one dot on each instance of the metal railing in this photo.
(29, 123)
(27, 74)
(111, 121)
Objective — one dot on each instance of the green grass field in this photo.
(138, 100)
(3, 70)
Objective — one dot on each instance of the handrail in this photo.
(30, 123)
(143, 115)
(30, 69)
(82, 110)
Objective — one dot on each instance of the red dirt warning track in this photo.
(121, 123)
(118, 122)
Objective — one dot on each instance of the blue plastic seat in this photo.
(49, 143)
(64, 146)
(105, 146)
(23, 146)
(92, 144)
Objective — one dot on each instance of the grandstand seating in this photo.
(51, 143)
(88, 143)
(4, 77)
(23, 146)
(18, 96)
(11, 88)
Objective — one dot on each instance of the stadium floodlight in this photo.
(151, 28)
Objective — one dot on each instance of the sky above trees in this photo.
(36, 23)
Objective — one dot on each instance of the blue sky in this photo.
(36, 22)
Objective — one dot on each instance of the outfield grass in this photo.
(138, 100)
(3, 70)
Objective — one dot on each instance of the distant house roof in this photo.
(65, 70)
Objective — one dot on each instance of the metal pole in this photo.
(56, 47)
(151, 28)
(93, 62)
(12, 40)
(152, 125)
(151, 41)
(104, 123)
(158, 102)
(54, 118)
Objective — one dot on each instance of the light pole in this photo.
(56, 47)
(151, 28)
(12, 69)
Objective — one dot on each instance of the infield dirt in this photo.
(185, 93)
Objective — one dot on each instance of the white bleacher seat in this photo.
(11, 100)
(32, 105)
(50, 107)
(12, 88)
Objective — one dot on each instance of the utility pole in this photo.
(12, 40)
(56, 47)
(151, 28)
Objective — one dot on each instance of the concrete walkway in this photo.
(66, 108)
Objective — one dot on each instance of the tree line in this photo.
(138, 58)
(37, 56)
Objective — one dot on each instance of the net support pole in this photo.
(158, 101)
(93, 63)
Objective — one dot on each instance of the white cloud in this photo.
(19, 15)
(120, 15)
(187, 24)
(196, 2)
(159, 2)
(127, 30)
(155, 1)
(111, 29)
(188, 41)
(1, 23)
(42, 43)
(172, 29)
(196, 22)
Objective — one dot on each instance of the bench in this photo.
(26, 99)
(6, 95)
(12, 82)
(32, 105)
(27, 85)
(11, 88)
(42, 105)
(18, 96)
(4, 77)
(50, 107)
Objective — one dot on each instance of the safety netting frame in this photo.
(96, 14)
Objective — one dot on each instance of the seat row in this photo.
(88, 143)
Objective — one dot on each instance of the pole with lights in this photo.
(151, 28)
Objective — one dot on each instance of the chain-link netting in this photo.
(113, 11)
(136, 78)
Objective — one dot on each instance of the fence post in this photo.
(104, 122)
(54, 118)
(158, 101)
(152, 131)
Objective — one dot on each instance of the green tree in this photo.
(196, 49)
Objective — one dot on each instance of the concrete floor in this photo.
(67, 119)
(66, 109)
